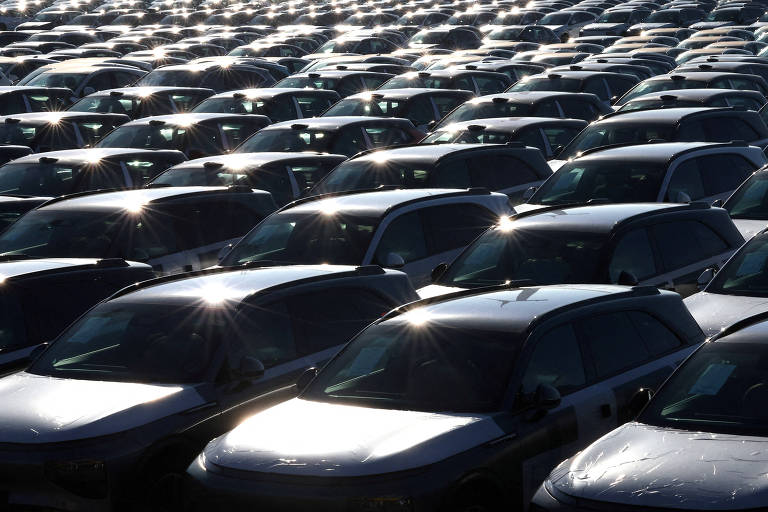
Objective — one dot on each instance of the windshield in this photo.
(547, 84)
(358, 107)
(745, 273)
(302, 82)
(287, 140)
(544, 256)
(607, 134)
(143, 136)
(358, 175)
(648, 87)
(428, 37)
(37, 179)
(305, 238)
(614, 17)
(57, 79)
(750, 201)
(654, 104)
(721, 388)
(106, 105)
(485, 110)
(201, 177)
(625, 182)
(177, 78)
(724, 15)
(153, 343)
(556, 18)
(420, 368)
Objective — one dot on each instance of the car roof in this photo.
(693, 94)
(49, 117)
(29, 88)
(90, 154)
(697, 76)
(148, 90)
(271, 92)
(661, 116)
(253, 160)
(512, 310)
(190, 118)
(590, 218)
(532, 96)
(404, 93)
(423, 153)
(332, 123)
(11, 270)
(661, 152)
(512, 123)
(227, 286)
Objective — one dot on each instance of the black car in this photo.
(343, 82)
(136, 102)
(279, 104)
(680, 98)
(21, 100)
(454, 403)
(606, 86)
(209, 75)
(179, 360)
(52, 131)
(696, 80)
(475, 81)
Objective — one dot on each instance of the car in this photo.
(180, 360)
(681, 98)
(606, 86)
(173, 229)
(680, 17)
(445, 37)
(538, 34)
(703, 425)
(574, 105)
(677, 172)
(728, 16)
(51, 131)
(287, 176)
(339, 135)
(279, 104)
(196, 135)
(704, 124)
(615, 22)
(82, 80)
(208, 75)
(655, 244)
(567, 24)
(411, 230)
(421, 106)
(63, 288)
(59, 173)
(475, 81)
(696, 80)
(343, 82)
(137, 102)
(747, 205)
(640, 72)
(21, 100)
(547, 134)
(409, 413)
(509, 169)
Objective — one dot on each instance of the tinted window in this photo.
(267, 333)
(726, 129)
(496, 172)
(549, 109)
(455, 225)
(565, 372)
(577, 109)
(657, 337)
(633, 254)
(684, 242)
(707, 176)
(405, 237)
(613, 343)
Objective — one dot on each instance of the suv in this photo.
(52, 131)
(277, 104)
(700, 124)
(510, 169)
(410, 230)
(180, 360)
(606, 86)
(209, 75)
(662, 245)
(338, 135)
(344, 83)
(196, 135)
(454, 403)
(680, 98)
(677, 172)
(62, 288)
(696, 80)
(138, 102)
(20, 100)
(287, 176)
(172, 229)
(82, 80)
(474, 81)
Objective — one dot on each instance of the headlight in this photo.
(87, 478)
(383, 504)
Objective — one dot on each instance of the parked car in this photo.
(52, 131)
(208, 75)
(172, 229)
(21, 100)
(82, 80)
(682, 98)
(136, 102)
(661, 245)
(606, 86)
(287, 176)
(474, 81)
(748, 205)
(696, 80)
(420, 394)
(180, 360)
(410, 230)
(278, 104)
(344, 83)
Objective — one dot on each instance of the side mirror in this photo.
(250, 368)
(88, 90)
(431, 125)
(638, 401)
(140, 255)
(705, 277)
(393, 260)
(717, 203)
(529, 193)
(223, 252)
(556, 149)
(438, 272)
(627, 279)
(546, 397)
(682, 197)
(306, 378)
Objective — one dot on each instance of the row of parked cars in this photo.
(439, 256)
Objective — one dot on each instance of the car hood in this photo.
(648, 466)
(307, 438)
(40, 409)
(434, 290)
(716, 311)
(749, 228)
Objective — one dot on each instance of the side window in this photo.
(465, 83)
(559, 136)
(102, 177)
(453, 226)
(219, 220)
(349, 141)
(596, 86)
(281, 108)
(266, 333)
(657, 337)
(613, 343)
(723, 173)
(741, 101)
(633, 254)
(420, 111)
(123, 79)
(685, 242)
(577, 109)
(726, 129)
(312, 106)
(488, 85)
(565, 372)
(373, 82)
(497, 172)
(532, 137)
(685, 184)
(619, 85)
(445, 104)
(349, 85)
(405, 237)
(386, 135)
(306, 174)
(745, 84)
(101, 82)
(547, 109)
(274, 181)
(453, 174)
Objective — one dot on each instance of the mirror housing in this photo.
(638, 401)
(627, 279)
(438, 272)
(431, 125)
(529, 193)
(557, 149)
(717, 203)
(393, 260)
(305, 378)
(250, 368)
(705, 277)
(546, 397)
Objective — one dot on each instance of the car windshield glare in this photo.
(722, 388)
(547, 84)
(652, 86)
(750, 201)
(151, 343)
(746, 273)
(360, 175)
(471, 110)
(420, 367)
(306, 238)
(609, 134)
(577, 182)
(287, 140)
(543, 256)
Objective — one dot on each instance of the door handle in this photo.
(605, 410)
